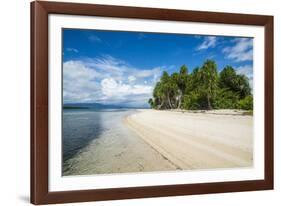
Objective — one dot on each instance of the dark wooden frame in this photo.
(39, 102)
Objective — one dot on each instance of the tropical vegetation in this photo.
(203, 89)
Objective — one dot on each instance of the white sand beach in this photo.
(202, 140)
(152, 140)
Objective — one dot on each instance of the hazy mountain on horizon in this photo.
(97, 106)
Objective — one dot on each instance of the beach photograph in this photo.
(137, 102)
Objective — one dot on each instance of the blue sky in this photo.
(114, 67)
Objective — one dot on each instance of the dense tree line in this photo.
(204, 89)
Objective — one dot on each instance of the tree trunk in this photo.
(209, 102)
(180, 98)
(169, 102)
(160, 106)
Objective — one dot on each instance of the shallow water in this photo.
(99, 142)
(82, 126)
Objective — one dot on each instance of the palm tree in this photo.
(182, 83)
(158, 95)
(237, 83)
(209, 80)
(202, 89)
(165, 88)
(151, 102)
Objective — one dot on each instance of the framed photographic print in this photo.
(133, 102)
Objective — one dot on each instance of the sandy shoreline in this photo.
(115, 149)
(151, 140)
(215, 139)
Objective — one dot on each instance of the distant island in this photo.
(203, 89)
(96, 106)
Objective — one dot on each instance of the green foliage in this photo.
(151, 103)
(246, 103)
(209, 81)
(204, 88)
(237, 83)
(243, 86)
(182, 78)
(226, 99)
(227, 78)
(193, 101)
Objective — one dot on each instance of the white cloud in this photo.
(131, 78)
(94, 38)
(112, 88)
(141, 36)
(246, 70)
(79, 82)
(72, 50)
(107, 80)
(208, 42)
(147, 72)
(241, 51)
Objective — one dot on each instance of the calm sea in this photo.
(81, 126)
